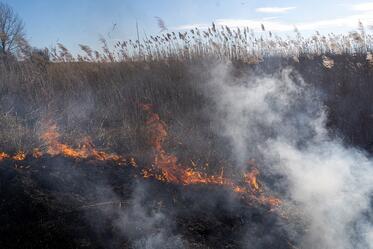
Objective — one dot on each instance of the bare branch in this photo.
(12, 34)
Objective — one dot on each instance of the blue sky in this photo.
(83, 21)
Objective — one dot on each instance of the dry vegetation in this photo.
(53, 201)
(220, 42)
(98, 93)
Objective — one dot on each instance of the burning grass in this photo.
(94, 119)
(165, 167)
(172, 171)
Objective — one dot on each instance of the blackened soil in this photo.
(61, 203)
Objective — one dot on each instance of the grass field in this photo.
(282, 125)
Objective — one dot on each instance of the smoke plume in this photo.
(280, 120)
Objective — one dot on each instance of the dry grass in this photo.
(98, 93)
(220, 42)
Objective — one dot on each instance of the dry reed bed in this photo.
(221, 42)
(98, 93)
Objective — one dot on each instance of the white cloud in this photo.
(274, 9)
(270, 18)
(363, 6)
(256, 24)
(192, 26)
(350, 22)
(347, 22)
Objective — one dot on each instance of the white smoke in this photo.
(147, 227)
(281, 120)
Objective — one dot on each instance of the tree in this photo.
(12, 34)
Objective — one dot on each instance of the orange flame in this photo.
(54, 147)
(19, 156)
(3, 156)
(86, 150)
(251, 179)
(172, 171)
(163, 162)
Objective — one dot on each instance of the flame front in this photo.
(174, 172)
(171, 170)
(3, 156)
(19, 156)
(251, 179)
(51, 138)
(165, 166)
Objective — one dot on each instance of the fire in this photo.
(3, 156)
(19, 156)
(174, 172)
(165, 166)
(272, 201)
(54, 147)
(251, 179)
(51, 138)
(171, 170)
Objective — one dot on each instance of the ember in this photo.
(20, 156)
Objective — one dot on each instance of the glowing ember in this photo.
(272, 201)
(3, 155)
(251, 179)
(19, 156)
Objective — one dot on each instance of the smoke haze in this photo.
(281, 120)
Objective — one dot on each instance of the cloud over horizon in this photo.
(363, 12)
(368, 6)
(277, 25)
(274, 9)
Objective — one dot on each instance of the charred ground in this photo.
(62, 203)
